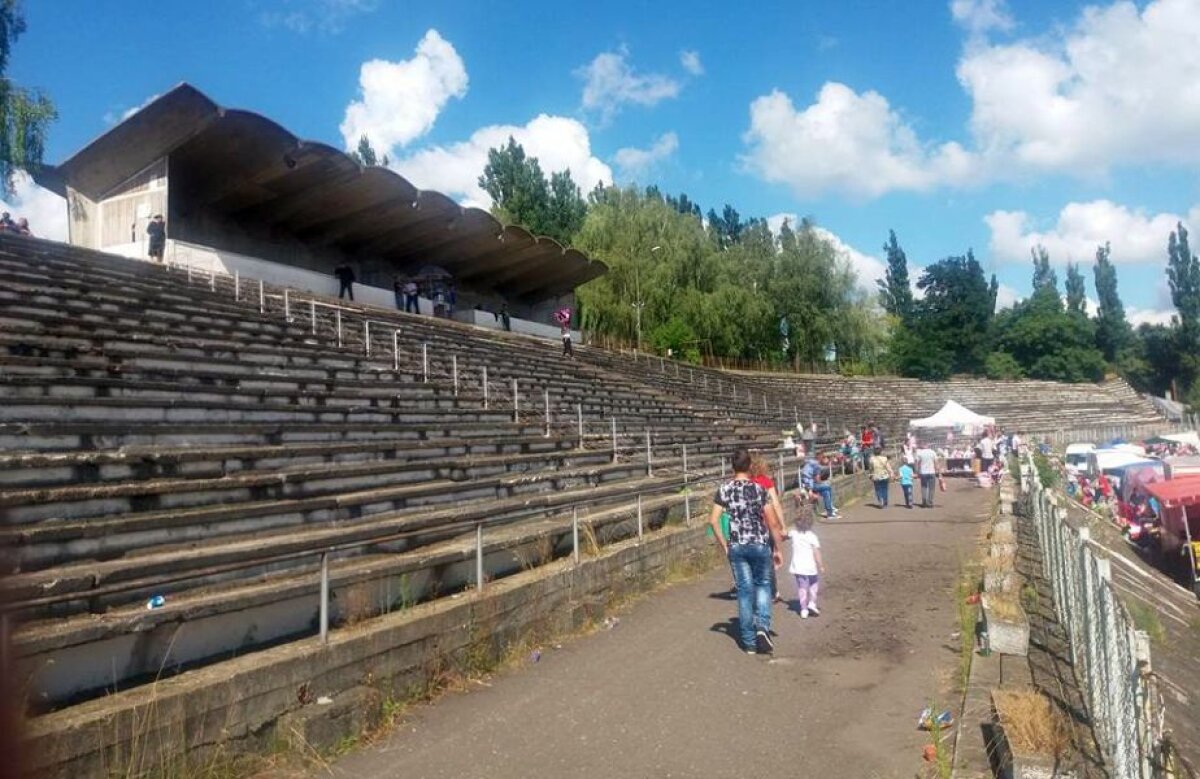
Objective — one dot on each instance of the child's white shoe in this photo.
(812, 608)
(803, 613)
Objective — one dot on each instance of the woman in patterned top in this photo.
(753, 523)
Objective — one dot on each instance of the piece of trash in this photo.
(156, 602)
(972, 599)
(926, 720)
(611, 622)
(956, 635)
(558, 646)
(535, 656)
(324, 700)
(929, 753)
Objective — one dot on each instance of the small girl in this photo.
(806, 558)
(906, 483)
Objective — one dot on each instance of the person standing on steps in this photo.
(927, 470)
(752, 524)
(157, 232)
(881, 476)
(345, 277)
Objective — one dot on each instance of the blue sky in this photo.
(961, 124)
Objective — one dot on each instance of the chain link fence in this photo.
(1111, 656)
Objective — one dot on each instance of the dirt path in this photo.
(667, 693)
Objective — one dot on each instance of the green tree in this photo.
(522, 195)
(25, 114)
(951, 323)
(366, 156)
(1045, 280)
(1076, 289)
(1183, 276)
(1112, 329)
(895, 294)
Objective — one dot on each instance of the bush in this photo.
(1047, 473)
(1002, 365)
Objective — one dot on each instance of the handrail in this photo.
(11, 607)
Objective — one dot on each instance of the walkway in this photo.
(666, 693)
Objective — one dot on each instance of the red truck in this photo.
(1178, 533)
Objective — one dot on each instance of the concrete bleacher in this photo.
(163, 436)
(1027, 405)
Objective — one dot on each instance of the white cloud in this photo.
(690, 60)
(1148, 316)
(981, 16)
(1135, 236)
(1116, 87)
(1006, 297)
(610, 82)
(46, 211)
(401, 100)
(633, 162)
(558, 142)
(775, 221)
(868, 269)
(113, 117)
(327, 16)
(845, 142)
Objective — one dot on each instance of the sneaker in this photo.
(812, 607)
(751, 652)
(763, 642)
(803, 613)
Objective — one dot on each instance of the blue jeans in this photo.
(881, 492)
(752, 566)
(907, 494)
(825, 490)
(927, 482)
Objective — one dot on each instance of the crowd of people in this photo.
(18, 227)
(748, 519)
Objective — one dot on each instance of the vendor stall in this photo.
(953, 417)
(1179, 523)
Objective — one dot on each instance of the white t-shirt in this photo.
(926, 462)
(804, 559)
(987, 448)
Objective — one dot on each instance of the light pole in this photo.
(640, 304)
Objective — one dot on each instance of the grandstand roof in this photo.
(251, 169)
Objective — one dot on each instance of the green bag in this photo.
(724, 526)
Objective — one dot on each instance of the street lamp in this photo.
(640, 304)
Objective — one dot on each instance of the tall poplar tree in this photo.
(1076, 289)
(895, 294)
(1112, 329)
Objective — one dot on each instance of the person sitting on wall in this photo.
(505, 320)
(157, 231)
(23, 227)
(345, 277)
(6, 223)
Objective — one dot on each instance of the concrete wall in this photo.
(233, 706)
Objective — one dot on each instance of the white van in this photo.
(1077, 456)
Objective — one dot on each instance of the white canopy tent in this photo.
(954, 416)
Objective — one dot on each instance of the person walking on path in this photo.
(906, 483)
(345, 277)
(807, 564)
(760, 474)
(752, 523)
(881, 475)
(866, 444)
(927, 470)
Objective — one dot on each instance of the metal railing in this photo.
(1111, 656)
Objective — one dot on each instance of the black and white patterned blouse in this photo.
(744, 501)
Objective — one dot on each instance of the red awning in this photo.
(1184, 491)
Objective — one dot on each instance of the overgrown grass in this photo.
(1048, 475)
(1145, 617)
(1032, 723)
(966, 586)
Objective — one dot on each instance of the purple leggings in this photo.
(806, 589)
